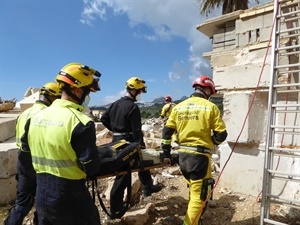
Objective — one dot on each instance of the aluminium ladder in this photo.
(281, 178)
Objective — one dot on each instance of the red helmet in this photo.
(205, 81)
(168, 98)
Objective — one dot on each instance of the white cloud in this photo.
(167, 19)
(112, 98)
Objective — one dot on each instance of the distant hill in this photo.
(153, 109)
(160, 99)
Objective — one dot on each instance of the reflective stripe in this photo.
(197, 149)
(53, 163)
(121, 134)
(166, 142)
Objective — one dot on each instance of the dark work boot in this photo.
(149, 189)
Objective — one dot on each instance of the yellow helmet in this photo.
(79, 76)
(51, 89)
(136, 83)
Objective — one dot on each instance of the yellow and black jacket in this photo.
(61, 141)
(197, 121)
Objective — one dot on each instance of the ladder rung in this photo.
(294, 150)
(291, 19)
(279, 199)
(285, 105)
(290, 71)
(290, 176)
(288, 30)
(286, 85)
(285, 179)
(290, 53)
(287, 111)
(286, 154)
(288, 14)
(290, 35)
(287, 47)
(289, 91)
(285, 127)
(274, 222)
(286, 66)
(288, 132)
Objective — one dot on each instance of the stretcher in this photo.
(166, 163)
(121, 158)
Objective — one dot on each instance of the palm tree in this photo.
(228, 6)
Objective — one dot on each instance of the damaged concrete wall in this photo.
(241, 63)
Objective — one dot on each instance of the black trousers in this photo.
(122, 181)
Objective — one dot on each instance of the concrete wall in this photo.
(8, 158)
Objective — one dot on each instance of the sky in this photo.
(151, 39)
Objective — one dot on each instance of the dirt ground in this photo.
(170, 205)
(171, 202)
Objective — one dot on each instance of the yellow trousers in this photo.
(196, 207)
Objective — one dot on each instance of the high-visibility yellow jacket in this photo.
(167, 109)
(197, 121)
(24, 116)
(62, 142)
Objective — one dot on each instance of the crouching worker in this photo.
(60, 143)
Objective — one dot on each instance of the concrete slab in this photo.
(8, 190)
(7, 127)
(8, 158)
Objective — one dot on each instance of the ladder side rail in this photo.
(266, 179)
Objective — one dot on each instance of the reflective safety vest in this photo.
(22, 119)
(167, 109)
(49, 139)
(194, 119)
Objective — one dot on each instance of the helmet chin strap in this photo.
(79, 100)
(133, 95)
(46, 97)
(203, 92)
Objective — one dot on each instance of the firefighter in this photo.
(60, 143)
(199, 127)
(167, 108)
(123, 118)
(26, 185)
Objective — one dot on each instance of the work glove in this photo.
(167, 153)
(167, 150)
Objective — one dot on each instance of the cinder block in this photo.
(229, 36)
(267, 20)
(230, 44)
(244, 39)
(249, 162)
(251, 23)
(218, 38)
(8, 158)
(7, 128)
(8, 190)
(219, 46)
(236, 105)
(265, 34)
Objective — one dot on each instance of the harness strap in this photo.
(128, 198)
